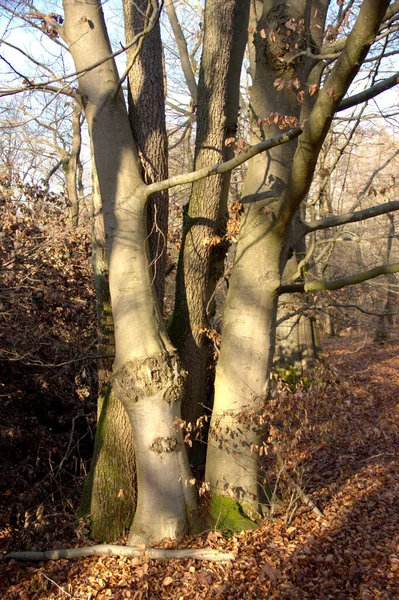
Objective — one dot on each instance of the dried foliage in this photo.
(48, 374)
(342, 436)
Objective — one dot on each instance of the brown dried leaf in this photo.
(270, 572)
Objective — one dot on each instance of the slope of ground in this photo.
(344, 454)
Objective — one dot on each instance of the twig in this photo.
(301, 494)
(55, 583)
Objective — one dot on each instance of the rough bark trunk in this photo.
(225, 33)
(147, 377)
(147, 120)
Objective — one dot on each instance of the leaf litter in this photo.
(347, 456)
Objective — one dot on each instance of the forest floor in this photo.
(345, 458)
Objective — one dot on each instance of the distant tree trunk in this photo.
(386, 321)
(297, 340)
(71, 167)
(147, 377)
(109, 496)
(147, 119)
(225, 33)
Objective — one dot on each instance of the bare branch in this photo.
(183, 50)
(47, 85)
(370, 93)
(351, 217)
(224, 167)
(337, 284)
(108, 550)
(328, 100)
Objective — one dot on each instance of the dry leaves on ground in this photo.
(349, 466)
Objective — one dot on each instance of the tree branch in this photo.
(224, 167)
(183, 51)
(371, 92)
(324, 285)
(131, 551)
(351, 217)
(329, 98)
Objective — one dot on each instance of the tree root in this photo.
(131, 551)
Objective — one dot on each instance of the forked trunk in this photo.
(147, 119)
(276, 184)
(147, 377)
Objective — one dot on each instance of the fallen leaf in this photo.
(270, 572)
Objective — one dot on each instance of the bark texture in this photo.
(152, 389)
(275, 185)
(109, 496)
(147, 120)
(225, 32)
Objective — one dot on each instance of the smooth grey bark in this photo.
(110, 490)
(109, 495)
(147, 377)
(275, 186)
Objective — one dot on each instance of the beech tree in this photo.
(287, 38)
(301, 73)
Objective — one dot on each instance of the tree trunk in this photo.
(147, 119)
(246, 354)
(218, 104)
(276, 184)
(147, 377)
(109, 495)
(385, 321)
(249, 316)
(297, 340)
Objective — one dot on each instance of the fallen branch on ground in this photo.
(131, 551)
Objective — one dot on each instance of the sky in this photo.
(50, 109)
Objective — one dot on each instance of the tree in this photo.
(296, 91)
(113, 469)
(275, 186)
(205, 215)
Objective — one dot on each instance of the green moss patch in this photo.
(229, 515)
